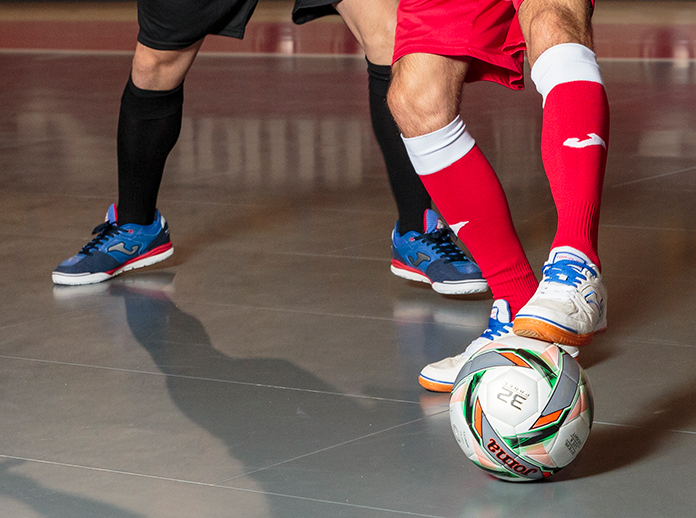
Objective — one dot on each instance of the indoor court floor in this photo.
(268, 369)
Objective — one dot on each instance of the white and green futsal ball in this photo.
(521, 409)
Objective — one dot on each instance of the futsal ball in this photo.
(521, 409)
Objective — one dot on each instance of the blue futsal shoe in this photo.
(116, 249)
(433, 257)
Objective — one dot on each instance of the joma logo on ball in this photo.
(508, 461)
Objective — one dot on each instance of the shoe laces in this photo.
(561, 278)
(103, 231)
(496, 329)
(441, 241)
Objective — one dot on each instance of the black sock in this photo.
(411, 197)
(148, 127)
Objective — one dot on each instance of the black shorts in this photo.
(308, 10)
(177, 24)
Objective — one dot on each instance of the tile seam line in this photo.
(619, 425)
(205, 53)
(328, 448)
(654, 177)
(531, 221)
(323, 314)
(59, 315)
(214, 380)
(613, 103)
(644, 341)
(336, 252)
(165, 199)
(637, 227)
(653, 341)
(205, 484)
(263, 308)
(233, 54)
(651, 59)
(333, 254)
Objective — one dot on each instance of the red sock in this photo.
(574, 144)
(469, 191)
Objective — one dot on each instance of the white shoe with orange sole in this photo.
(570, 305)
(440, 376)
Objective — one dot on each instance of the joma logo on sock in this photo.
(593, 140)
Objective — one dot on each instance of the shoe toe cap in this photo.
(70, 262)
(441, 271)
(445, 370)
(80, 263)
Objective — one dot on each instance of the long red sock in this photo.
(471, 199)
(574, 142)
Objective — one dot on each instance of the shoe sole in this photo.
(434, 386)
(450, 288)
(570, 349)
(157, 255)
(441, 386)
(547, 332)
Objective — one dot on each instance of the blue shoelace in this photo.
(566, 272)
(496, 329)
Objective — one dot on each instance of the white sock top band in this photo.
(565, 63)
(434, 151)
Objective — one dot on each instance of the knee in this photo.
(552, 23)
(145, 69)
(420, 104)
(160, 70)
(150, 71)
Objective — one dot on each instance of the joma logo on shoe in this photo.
(420, 257)
(121, 247)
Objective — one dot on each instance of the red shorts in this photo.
(487, 31)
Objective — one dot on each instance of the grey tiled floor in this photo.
(268, 369)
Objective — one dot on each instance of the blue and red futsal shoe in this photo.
(116, 249)
(434, 258)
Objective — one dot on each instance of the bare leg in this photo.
(373, 23)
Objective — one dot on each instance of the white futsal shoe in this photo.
(440, 376)
(569, 306)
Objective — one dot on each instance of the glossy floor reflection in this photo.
(268, 369)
